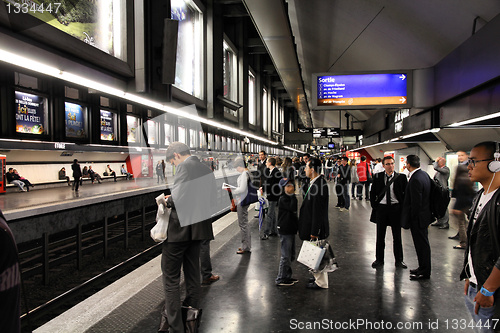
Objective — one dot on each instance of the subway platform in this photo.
(245, 299)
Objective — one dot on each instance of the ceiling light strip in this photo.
(475, 120)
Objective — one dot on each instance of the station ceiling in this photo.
(304, 37)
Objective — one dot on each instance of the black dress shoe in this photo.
(311, 280)
(401, 264)
(414, 271)
(446, 226)
(418, 277)
(313, 285)
(436, 224)
(453, 237)
(377, 264)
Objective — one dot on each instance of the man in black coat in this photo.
(77, 174)
(273, 192)
(190, 222)
(386, 205)
(262, 167)
(417, 216)
(313, 217)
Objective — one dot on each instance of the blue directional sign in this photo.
(362, 90)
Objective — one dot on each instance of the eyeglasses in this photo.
(473, 162)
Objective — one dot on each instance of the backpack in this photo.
(439, 199)
(252, 195)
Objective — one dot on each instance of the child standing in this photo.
(287, 228)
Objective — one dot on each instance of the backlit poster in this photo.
(99, 23)
(107, 126)
(30, 113)
(74, 118)
(132, 129)
(151, 132)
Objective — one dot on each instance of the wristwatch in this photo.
(486, 292)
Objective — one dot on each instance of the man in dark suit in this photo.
(386, 203)
(190, 223)
(77, 174)
(417, 216)
(262, 167)
(273, 192)
(313, 217)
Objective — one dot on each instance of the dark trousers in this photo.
(389, 216)
(423, 249)
(174, 256)
(205, 261)
(76, 183)
(367, 189)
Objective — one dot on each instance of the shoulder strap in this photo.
(492, 217)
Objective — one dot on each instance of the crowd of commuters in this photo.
(398, 200)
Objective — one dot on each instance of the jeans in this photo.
(19, 184)
(345, 193)
(367, 189)
(484, 314)
(242, 213)
(287, 256)
(271, 221)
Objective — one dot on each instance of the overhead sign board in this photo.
(349, 91)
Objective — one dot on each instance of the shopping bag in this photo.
(159, 231)
(311, 254)
(329, 262)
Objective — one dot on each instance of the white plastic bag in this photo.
(159, 231)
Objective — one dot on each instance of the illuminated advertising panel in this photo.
(74, 118)
(99, 23)
(132, 129)
(107, 126)
(30, 113)
(151, 126)
(350, 91)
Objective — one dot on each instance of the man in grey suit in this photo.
(190, 223)
(417, 216)
(442, 175)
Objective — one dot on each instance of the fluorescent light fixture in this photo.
(33, 141)
(432, 130)
(21, 61)
(475, 120)
(295, 150)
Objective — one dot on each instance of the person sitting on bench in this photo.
(125, 172)
(12, 179)
(110, 172)
(62, 175)
(26, 182)
(94, 175)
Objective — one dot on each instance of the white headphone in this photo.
(494, 166)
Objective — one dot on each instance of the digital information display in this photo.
(362, 90)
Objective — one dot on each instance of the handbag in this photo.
(191, 318)
(251, 196)
(311, 254)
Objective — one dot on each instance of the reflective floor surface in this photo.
(359, 299)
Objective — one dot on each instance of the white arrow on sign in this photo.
(402, 99)
(402, 77)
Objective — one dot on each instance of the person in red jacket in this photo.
(365, 176)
